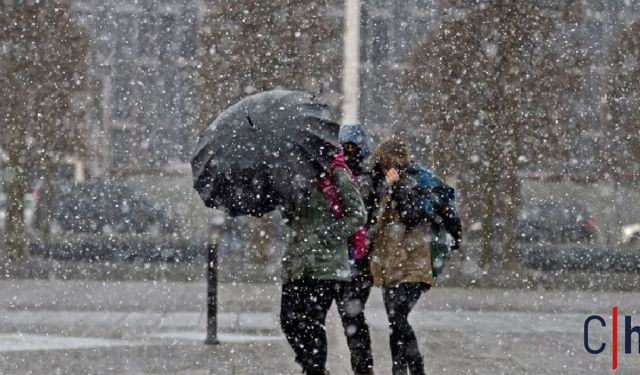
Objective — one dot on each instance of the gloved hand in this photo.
(457, 241)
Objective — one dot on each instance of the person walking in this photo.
(400, 254)
(352, 295)
(316, 262)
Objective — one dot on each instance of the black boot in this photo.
(316, 372)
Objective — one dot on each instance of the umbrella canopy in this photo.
(264, 151)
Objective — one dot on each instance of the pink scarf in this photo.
(358, 240)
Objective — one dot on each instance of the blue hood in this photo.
(358, 135)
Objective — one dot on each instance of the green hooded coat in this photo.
(318, 248)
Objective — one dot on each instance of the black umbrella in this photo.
(264, 151)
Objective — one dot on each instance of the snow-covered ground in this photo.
(159, 327)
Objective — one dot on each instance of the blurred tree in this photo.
(622, 154)
(42, 65)
(248, 46)
(492, 88)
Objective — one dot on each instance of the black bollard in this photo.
(212, 295)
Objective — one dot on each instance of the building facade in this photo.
(144, 63)
(390, 31)
(142, 69)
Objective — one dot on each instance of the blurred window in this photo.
(123, 92)
(125, 36)
(167, 36)
(380, 47)
(105, 40)
(147, 36)
(121, 144)
(190, 35)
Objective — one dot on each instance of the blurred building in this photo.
(143, 67)
(142, 71)
(390, 31)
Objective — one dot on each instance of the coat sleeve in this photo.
(354, 211)
(406, 197)
(369, 197)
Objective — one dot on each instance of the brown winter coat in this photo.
(400, 250)
(399, 255)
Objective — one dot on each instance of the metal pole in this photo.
(351, 70)
(212, 294)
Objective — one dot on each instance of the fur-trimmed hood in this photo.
(393, 153)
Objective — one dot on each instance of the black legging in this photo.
(351, 299)
(405, 354)
(303, 313)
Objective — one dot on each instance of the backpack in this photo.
(437, 202)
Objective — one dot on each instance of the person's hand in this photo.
(456, 242)
(391, 176)
(456, 245)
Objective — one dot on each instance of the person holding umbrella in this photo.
(280, 150)
(400, 260)
(316, 262)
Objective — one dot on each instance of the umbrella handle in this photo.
(251, 122)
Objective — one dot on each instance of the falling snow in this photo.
(132, 144)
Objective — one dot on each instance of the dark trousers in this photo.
(399, 301)
(303, 313)
(351, 299)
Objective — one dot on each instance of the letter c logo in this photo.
(586, 334)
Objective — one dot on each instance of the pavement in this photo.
(126, 327)
(550, 267)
